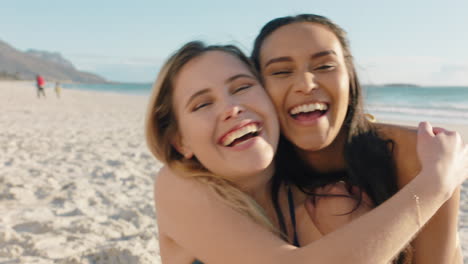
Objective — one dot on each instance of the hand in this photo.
(443, 156)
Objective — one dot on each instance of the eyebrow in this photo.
(314, 56)
(201, 92)
(207, 90)
(237, 76)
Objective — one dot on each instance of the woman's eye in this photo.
(200, 106)
(325, 67)
(242, 88)
(280, 73)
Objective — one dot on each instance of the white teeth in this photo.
(240, 133)
(308, 108)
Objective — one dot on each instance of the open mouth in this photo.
(241, 135)
(308, 111)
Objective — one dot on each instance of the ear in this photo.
(181, 147)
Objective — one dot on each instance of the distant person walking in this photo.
(58, 89)
(40, 82)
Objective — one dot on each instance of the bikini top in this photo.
(293, 216)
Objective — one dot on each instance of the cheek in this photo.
(267, 101)
(344, 93)
(193, 131)
(276, 94)
(341, 90)
(344, 85)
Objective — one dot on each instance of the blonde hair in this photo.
(161, 128)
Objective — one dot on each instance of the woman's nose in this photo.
(305, 83)
(231, 111)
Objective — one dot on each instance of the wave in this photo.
(437, 106)
(417, 114)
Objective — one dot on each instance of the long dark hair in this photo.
(368, 156)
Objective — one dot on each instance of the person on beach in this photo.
(40, 82)
(213, 126)
(328, 143)
(58, 89)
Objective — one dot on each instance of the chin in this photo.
(256, 164)
(310, 145)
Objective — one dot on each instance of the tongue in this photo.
(307, 116)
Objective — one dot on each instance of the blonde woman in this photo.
(213, 126)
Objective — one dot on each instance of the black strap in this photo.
(293, 216)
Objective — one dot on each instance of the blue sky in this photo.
(418, 41)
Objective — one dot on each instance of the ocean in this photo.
(437, 104)
(125, 88)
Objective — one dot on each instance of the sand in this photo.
(76, 178)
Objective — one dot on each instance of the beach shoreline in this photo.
(76, 178)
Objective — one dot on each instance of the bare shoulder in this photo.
(172, 192)
(162, 183)
(404, 137)
(191, 216)
(404, 150)
(164, 177)
(168, 182)
(163, 180)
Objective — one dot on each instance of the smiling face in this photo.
(305, 74)
(225, 118)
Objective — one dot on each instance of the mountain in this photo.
(50, 56)
(15, 64)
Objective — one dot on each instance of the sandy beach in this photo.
(76, 178)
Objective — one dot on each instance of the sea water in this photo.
(437, 104)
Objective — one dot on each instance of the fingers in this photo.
(425, 129)
(437, 130)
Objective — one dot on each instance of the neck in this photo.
(328, 159)
(258, 186)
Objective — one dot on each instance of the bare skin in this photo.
(197, 222)
(325, 212)
(193, 221)
(437, 241)
(303, 64)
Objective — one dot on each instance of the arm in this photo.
(457, 258)
(193, 217)
(436, 243)
(215, 233)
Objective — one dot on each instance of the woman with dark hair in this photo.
(213, 126)
(308, 70)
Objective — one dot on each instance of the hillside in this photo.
(15, 64)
